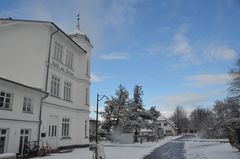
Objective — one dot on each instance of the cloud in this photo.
(208, 79)
(115, 56)
(180, 45)
(97, 78)
(120, 13)
(184, 99)
(215, 52)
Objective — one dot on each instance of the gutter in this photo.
(48, 62)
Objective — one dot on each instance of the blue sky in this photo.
(180, 51)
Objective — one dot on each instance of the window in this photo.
(168, 131)
(3, 140)
(52, 130)
(85, 128)
(159, 124)
(27, 105)
(88, 68)
(5, 100)
(69, 59)
(65, 127)
(165, 124)
(67, 90)
(55, 85)
(58, 51)
(87, 92)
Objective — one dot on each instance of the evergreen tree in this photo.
(115, 107)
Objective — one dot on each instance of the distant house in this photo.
(168, 126)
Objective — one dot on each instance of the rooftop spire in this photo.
(78, 26)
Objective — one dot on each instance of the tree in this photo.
(234, 89)
(201, 118)
(115, 107)
(179, 117)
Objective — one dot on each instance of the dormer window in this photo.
(69, 59)
(58, 52)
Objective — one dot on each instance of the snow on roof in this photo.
(162, 118)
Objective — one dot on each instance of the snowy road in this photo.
(171, 150)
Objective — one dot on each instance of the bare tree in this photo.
(234, 89)
(179, 117)
(201, 118)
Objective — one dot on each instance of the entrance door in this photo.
(3, 140)
(53, 131)
(24, 138)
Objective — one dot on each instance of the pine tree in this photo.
(115, 107)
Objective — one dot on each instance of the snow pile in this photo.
(209, 149)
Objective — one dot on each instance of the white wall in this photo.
(24, 48)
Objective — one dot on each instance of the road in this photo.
(171, 150)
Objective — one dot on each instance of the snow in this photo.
(114, 150)
(210, 149)
(7, 155)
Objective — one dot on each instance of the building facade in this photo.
(167, 126)
(39, 54)
(19, 115)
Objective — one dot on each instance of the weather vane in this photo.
(78, 26)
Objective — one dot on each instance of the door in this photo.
(24, 138)
(3, 140)
(53, 132)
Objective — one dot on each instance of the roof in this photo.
(162, 118)
(23, 85)
(45, 22)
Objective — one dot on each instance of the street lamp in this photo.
(99, 98)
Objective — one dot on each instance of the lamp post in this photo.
(99, 98)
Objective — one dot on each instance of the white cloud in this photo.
(97, 78)
(184, 99)
(215, 52)
(208, 79)
(115, 56)
(180, 45)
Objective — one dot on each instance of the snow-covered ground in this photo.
(210, 149)
(114, 151)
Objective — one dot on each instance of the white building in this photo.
(19, 115)
(168, 126)
(39, 54)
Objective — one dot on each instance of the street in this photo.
(172, 150)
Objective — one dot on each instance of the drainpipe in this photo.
(48, 62)
(47, 74)
(40, 116)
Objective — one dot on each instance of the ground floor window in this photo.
(24, 138)
(3, 139)
(168, 131)
(52, 130)
(65, 127)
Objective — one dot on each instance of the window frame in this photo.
(4, 100)
(26, 106)
(55, 86)
(69, 59)
(67, 92)
(58, 52)
(66, 126)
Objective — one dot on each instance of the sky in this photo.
(179, 51)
